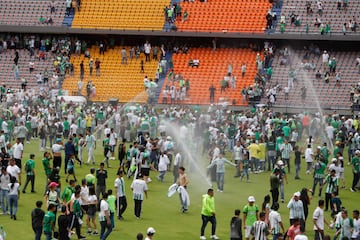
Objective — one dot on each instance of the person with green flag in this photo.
(30, 173)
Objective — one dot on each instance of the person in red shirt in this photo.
(293, 230)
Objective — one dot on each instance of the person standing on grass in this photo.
(101, 176)
(49, 222)
(319, 220)
(355, 162)
(139, 188)
(111, 201)
(332, 183)
(219, 162)
(63, 224)
(236, 226)
(91, 211)
(274, 186)
(37, 218)
(120, 193)
(275, 222)
(90, 142)
(183, 182)
(70, 168)
(106, 145)
(56, 149)
(208, 214)
(30, 173)
(260, 229)
(162, 167)
(4, 190)
(69, 152)
(296, 208)
(47, 168)
(250, 216)
(104, 218)
(14, 195)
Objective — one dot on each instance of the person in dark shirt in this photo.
(236, 226)
(101, 176)
(64, 223)
(4, 157)
(69, 151)
(297, 162)
(55, 177)
(37, 218)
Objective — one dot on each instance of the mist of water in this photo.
(307, 78)
(185, 141)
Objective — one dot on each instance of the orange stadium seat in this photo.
(122, 81)
(225, 15)
(212, 69)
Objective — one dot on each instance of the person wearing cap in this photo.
(260, 229)
(332, 183)
(150, 233)
(282, 177)
(30, 173)
(120, 194)
(355, 162)
(274, 185)
(208, 214)
(296, 208)
(139, 188)
(250, 216)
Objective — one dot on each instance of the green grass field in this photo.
(163, 213)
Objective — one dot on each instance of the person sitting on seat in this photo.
(318, 74)
(42, 20)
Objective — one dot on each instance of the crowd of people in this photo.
(255, 141)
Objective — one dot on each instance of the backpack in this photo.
(60, 128)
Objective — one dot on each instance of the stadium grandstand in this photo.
(188, 52)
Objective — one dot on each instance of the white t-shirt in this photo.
(318, 215)
(301, 237)
(18, 149)
(139, 187)
(113, 137)
(308, 155)
(56, 148)
(104, 206)
(15, 189)
(163, 162)
(356, 231)
(14, 171)
(275, 219)
(107, 131)
(84, 195)
(92, 199)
